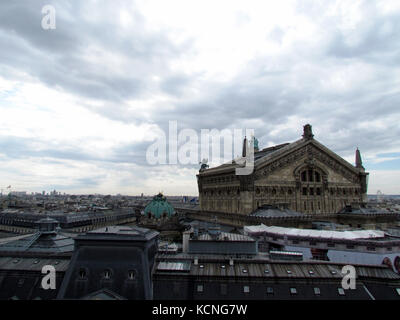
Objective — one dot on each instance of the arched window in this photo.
(131, 274)
(82, 273)
(310, 175)
(107, 274)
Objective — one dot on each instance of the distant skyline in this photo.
(80, 104)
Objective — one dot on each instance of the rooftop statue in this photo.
(254, 143)
(204, 164)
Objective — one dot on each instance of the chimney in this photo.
(307, 132)
(185, 240)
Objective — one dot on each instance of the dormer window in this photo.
(131, 274)
(82, 273)
(107, 274)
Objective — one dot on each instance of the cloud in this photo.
(88, 98)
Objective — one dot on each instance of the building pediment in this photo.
(312, 153)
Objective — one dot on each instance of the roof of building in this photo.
(280, 269)
(225, 236)
(273, 211)
(159, 206)
(272, 153)
(366, 210)
(39, 242)
(103, 294)
(33, 263)
(322, 234)
(119, 233)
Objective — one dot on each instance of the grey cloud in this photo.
(56, 57)
(266, 92)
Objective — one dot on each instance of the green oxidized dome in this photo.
(159, 206)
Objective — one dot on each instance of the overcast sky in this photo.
(80, 104)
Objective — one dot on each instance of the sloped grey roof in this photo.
(40, 243)
(225, 236)
(269, 154)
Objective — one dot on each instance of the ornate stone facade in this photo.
(304, 176)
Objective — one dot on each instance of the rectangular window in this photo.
(304, 191)
(318, 191)
(317, 291)
(270, 290)
(371, 248)
(311, 191)
(246, 289)
(200, 288)
(293, 291)
(398, 291)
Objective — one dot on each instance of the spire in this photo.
(358, 160)
(244, 147)
(307, 132)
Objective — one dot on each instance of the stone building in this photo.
(304, 176)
